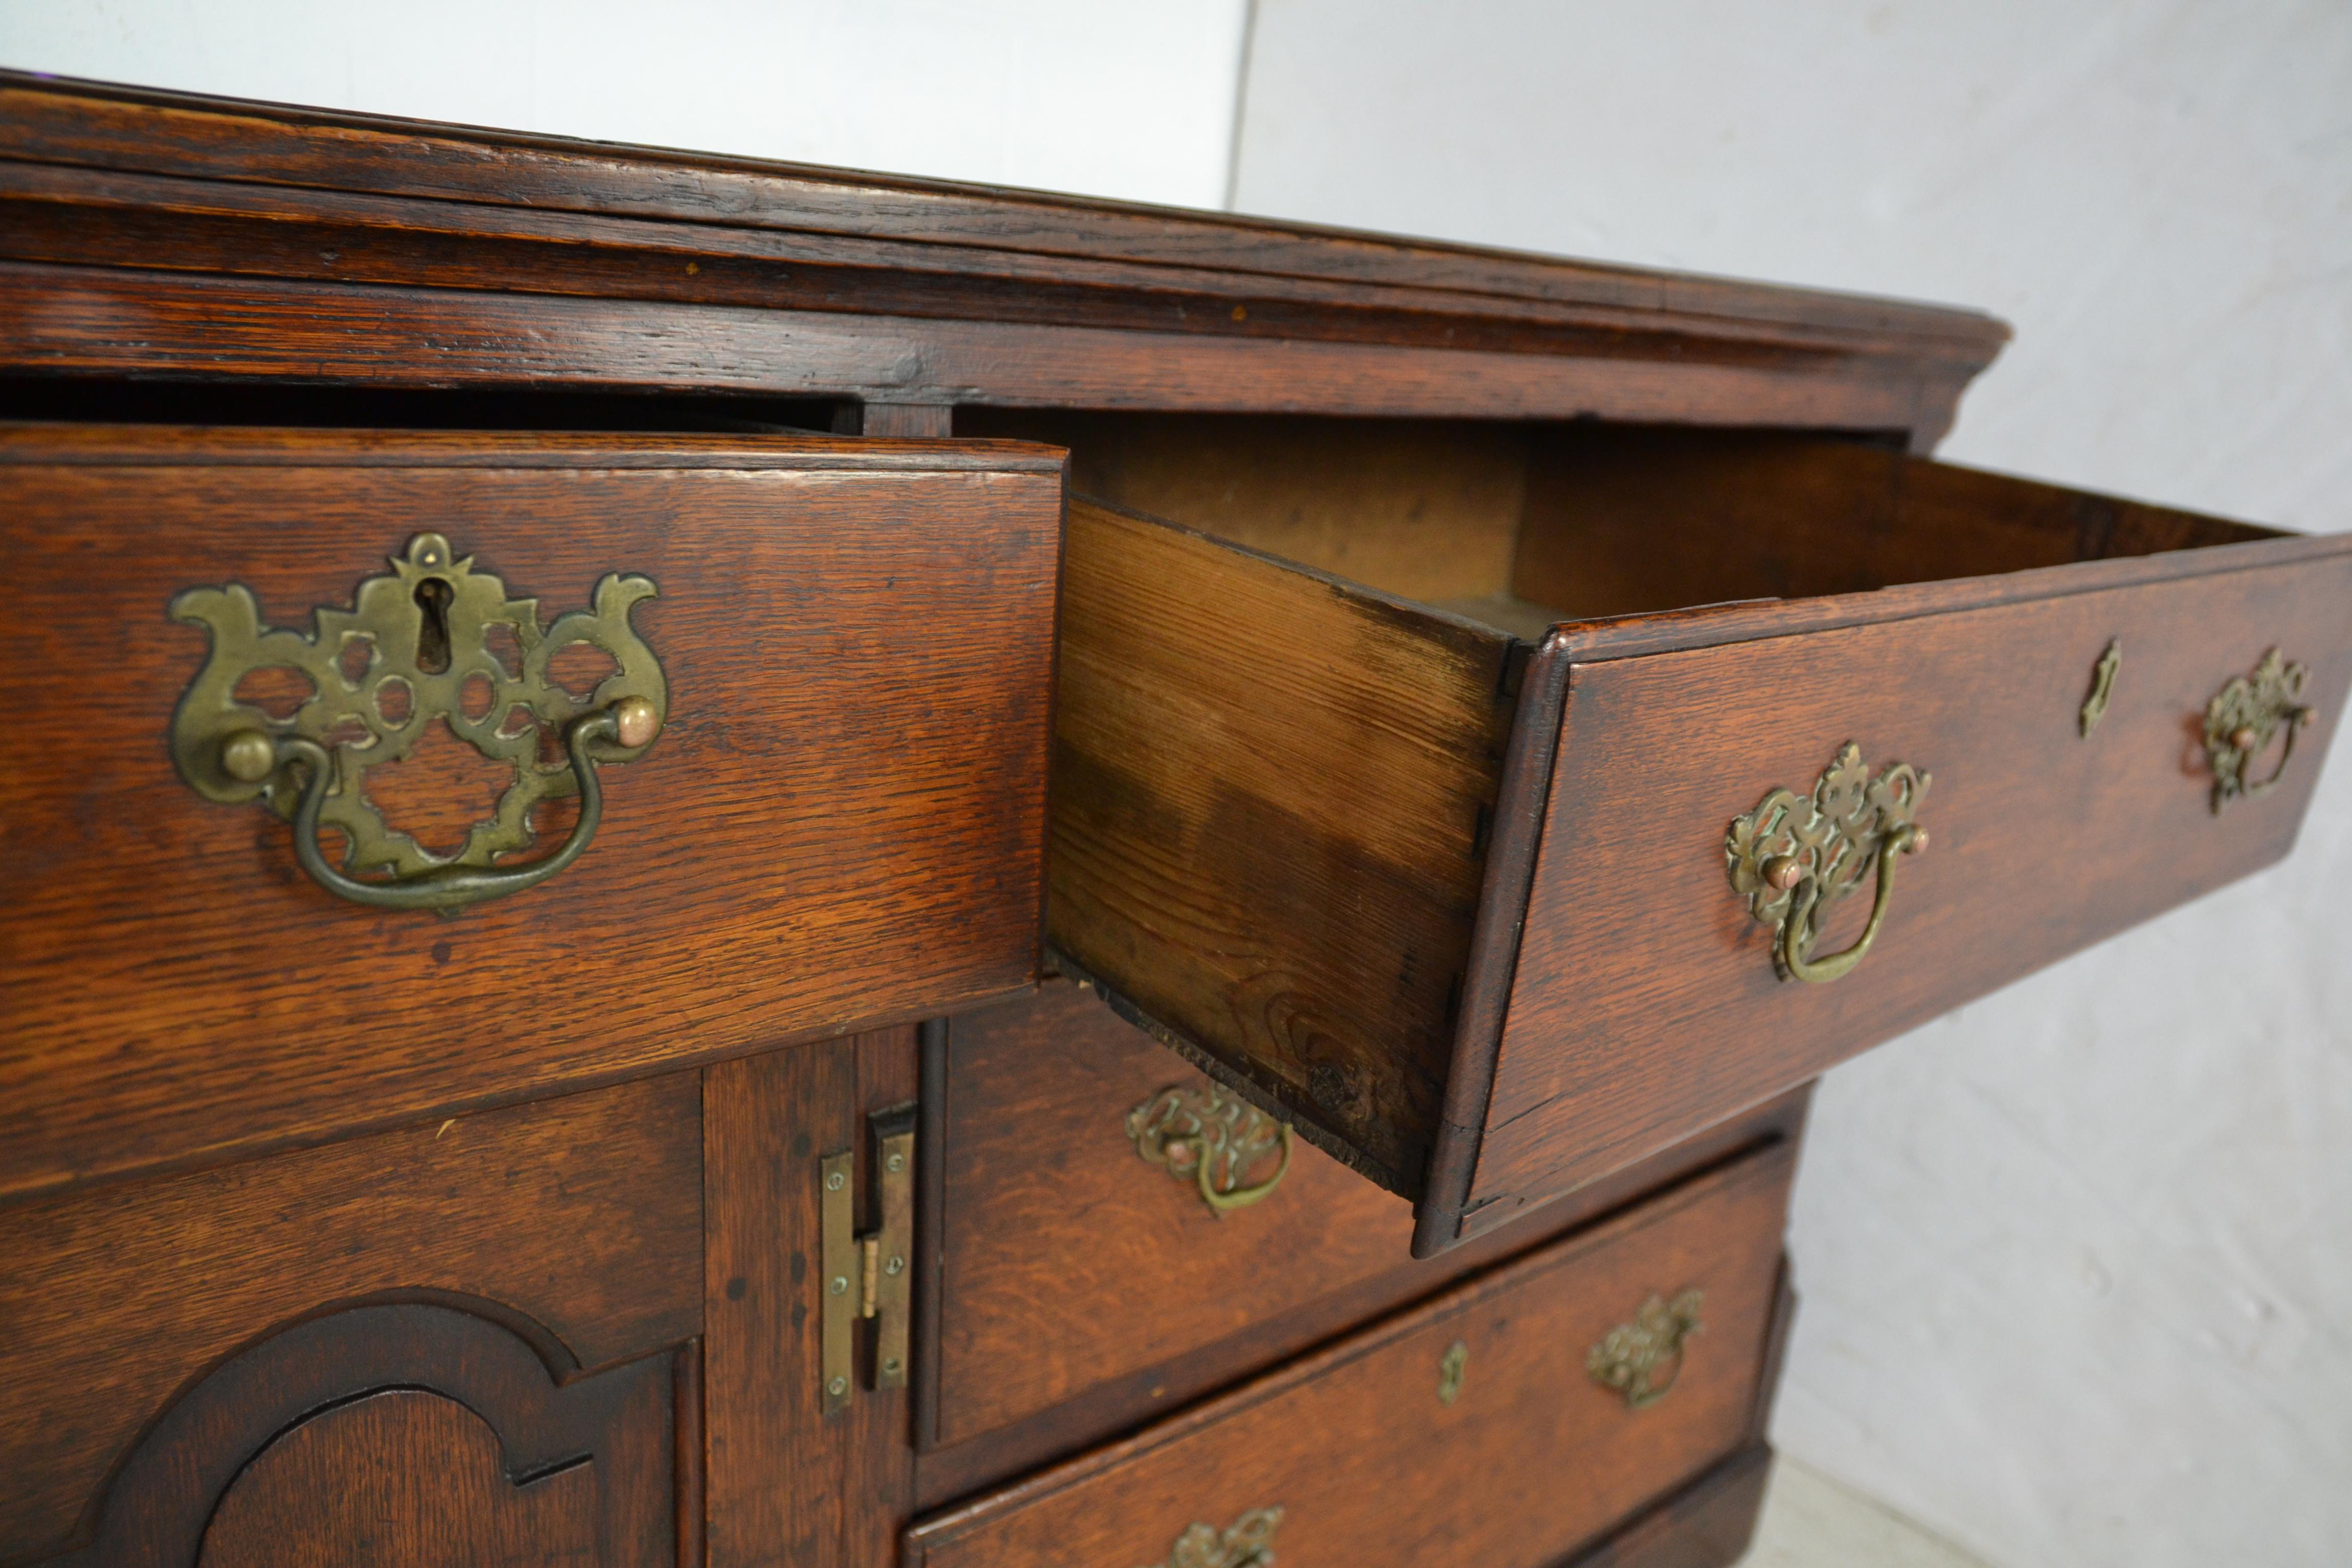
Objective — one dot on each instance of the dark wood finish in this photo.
(1707, 1524)
(401, 1478)
(574, 1221)
(1644, 1002)
(397, 1434)
(1269, 788)
(1533, 1459)
(837, 825)
(787, 1484)
(1083, 1290)
(935, 292)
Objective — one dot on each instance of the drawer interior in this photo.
(1518, 527)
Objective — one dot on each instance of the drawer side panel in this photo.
(1268, 796)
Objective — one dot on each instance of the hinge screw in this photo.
(896, 1162)
(837, 1387)
(840, 1285)
(835, 1182)
(891, 1367)
(896, 1266)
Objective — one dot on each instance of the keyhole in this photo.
(433, 596)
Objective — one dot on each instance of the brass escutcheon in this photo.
(2102, 688)
(1213, 1139)
(1794, 857)
(405, 657)
(1247, 1543)
(1451, 1368)
(2245, 718)
(1631, 1356)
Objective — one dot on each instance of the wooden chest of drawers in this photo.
(635, 761)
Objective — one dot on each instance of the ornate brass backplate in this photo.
(413, 651)
(1452, 1367)
(2243, 719)
(1247, 1543)
(2102, 688)
(1642, 1358)
(1213, 1140)
(1794, 857)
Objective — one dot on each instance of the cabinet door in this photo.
(475, 1340)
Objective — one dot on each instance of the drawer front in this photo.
(833, 822)
(1084, 1281)
(1474, 1429)
(1646, 1001)
(501, 1294)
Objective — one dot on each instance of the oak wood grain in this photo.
(1269, 788)
(401, 1478)
(1117, 1301)
(95, 321)
(1530, 1462)
(786, 1483)
(575, 1220)
(406, 1433)
(1644, 1002)
(838, 823)
(120, 176)
(1424, 509)
(1626, 521)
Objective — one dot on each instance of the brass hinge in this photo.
(867, 1276)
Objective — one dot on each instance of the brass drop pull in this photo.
(1212, 1138)
(1247, 1543)
(1794, 857)
(1642, 1360)
(415, 651)
(2245, 718)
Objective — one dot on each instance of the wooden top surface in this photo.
(188, 183)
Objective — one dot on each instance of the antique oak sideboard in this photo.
(628, 765)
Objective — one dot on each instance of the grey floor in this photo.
(1813, 1520)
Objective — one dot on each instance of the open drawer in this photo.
(1502, 866)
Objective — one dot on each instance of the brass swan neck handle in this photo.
(629, 724)
(1909, 839)
(1795, 856)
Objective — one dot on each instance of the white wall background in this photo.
(1126, 98)
(2077, 1263)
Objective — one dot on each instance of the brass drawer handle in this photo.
(413, 651)
(2243, 719)
(1247, 1543)
(1631, 1357)
(1212, 1138)
(1794, 857)
(444, 887)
